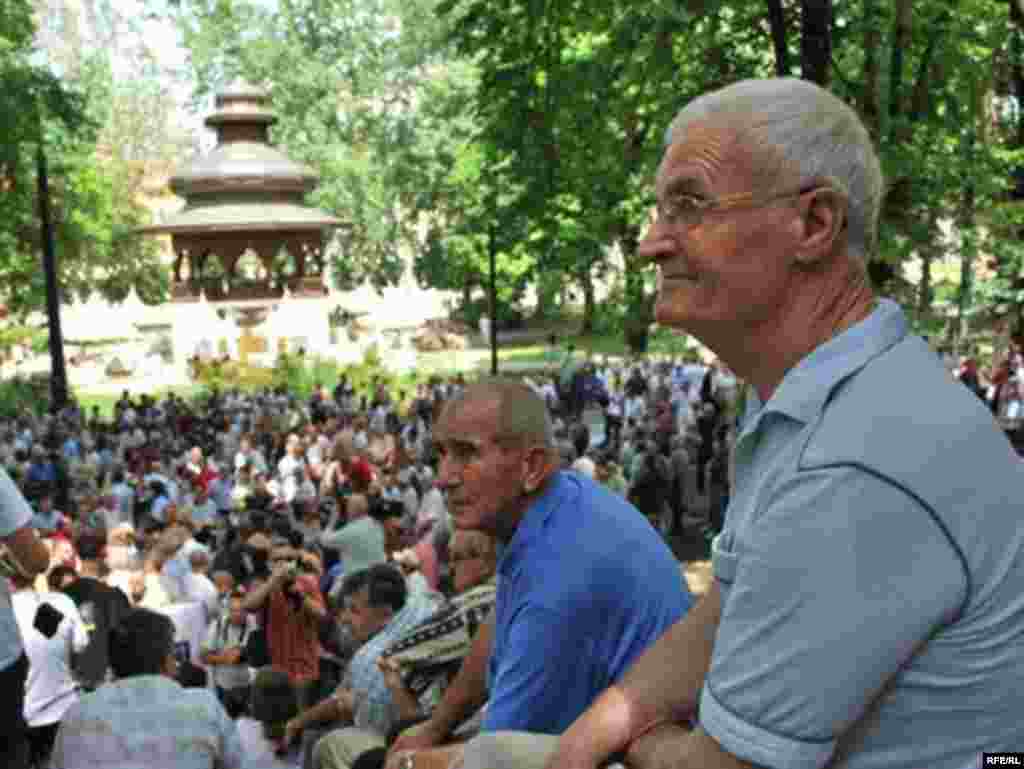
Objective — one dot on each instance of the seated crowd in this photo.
(320, 573)
(466, 581)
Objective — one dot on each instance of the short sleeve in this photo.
(15, 512)
(824, 596)
(545, 677)
(79, 636)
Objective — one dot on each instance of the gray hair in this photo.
(813, 132)
(522, 414)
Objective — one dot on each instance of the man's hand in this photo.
(346, 700)
(573, 754)
(392, 673)
(292, 729)
(449, 757)
(421, 737)
(280, 574)
(232, 656)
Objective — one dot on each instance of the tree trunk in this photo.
(900, 43)
(777, 22)
(816, 41)
(58, 373)
(639, 304)
(968, 244)
(928, 254)
(589, 303)
(869, 103)
(547, 296)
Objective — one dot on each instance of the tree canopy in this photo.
(82, 118)
(445, 129)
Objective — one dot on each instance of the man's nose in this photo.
(447, 473)
(655, 245)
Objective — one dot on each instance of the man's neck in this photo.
(508, 523)
(764, 355)
(90, 569)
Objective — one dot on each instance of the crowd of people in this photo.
(476, 574)
(267, 511)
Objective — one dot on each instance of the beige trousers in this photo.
(340, 749)
(509, 750)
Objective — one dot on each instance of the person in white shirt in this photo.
(199, 586)
(291, 468)
(27, 554)
(223, 650)
(52, 630)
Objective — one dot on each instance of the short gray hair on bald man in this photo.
(814, 132)
(523, 416)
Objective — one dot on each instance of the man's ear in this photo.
(823, 222)
(536, 464)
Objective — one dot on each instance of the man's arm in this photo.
(674, 747)
(664, 684)
(466, 694)
(337, 707)
(254, 600)
(331, 537)
(30, 552)
(313, 607)
(20, 537)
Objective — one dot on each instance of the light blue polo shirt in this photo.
(585, 586)
(15, 514)
(874, 537)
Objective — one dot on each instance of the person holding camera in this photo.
(224, 652)
(292, 608)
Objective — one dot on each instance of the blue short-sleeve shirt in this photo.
(585, 586)
(871, 567)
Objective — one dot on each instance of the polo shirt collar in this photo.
(806, 388)
(561, 488)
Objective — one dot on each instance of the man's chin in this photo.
(670, 314)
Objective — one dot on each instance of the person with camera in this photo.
(378, 609)
(292, 609)
(224, 652)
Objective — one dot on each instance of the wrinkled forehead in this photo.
(701, 150)
(472, 421)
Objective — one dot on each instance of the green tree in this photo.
(95, 192)
(579, 94)
(349, 81)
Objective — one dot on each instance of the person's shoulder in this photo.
(60, 601)
(909, 400)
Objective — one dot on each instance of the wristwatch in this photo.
(407, 761)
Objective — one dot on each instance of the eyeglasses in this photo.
(687, 209)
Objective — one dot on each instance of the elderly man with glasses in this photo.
(868, 602)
